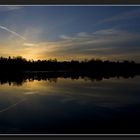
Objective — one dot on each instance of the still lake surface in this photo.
(68, 106)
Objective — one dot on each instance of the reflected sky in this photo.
(111, 92)
(63, 106)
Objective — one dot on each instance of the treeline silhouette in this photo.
(97, 66)
(18, 70)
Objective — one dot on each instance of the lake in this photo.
(70, 106)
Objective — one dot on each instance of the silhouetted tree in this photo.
(97, 66)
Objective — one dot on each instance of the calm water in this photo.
(64, 105)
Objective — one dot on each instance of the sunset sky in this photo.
(70, 32)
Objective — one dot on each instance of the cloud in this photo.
(33, 33)
(9, 8)
(122, 16)
(64, 37)
(12, 32)
(105, 43)
(109, 44)
(29, 44)
(82, 34)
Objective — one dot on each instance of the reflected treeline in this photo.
(18, 70)
(20, 78)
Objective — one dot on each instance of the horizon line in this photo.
(79, 60)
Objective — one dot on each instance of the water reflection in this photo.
(20, 78)
(61, 104)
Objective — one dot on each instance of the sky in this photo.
(70, 32)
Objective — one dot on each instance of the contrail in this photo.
(14, 33)
(13, 105)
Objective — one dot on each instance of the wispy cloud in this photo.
(122, 16)
(12, 32)
(103, 43)
(9, 8)
(109, 44)
(29, 44)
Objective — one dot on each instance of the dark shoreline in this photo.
(18, 69)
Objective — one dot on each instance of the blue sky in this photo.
(70, 32)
